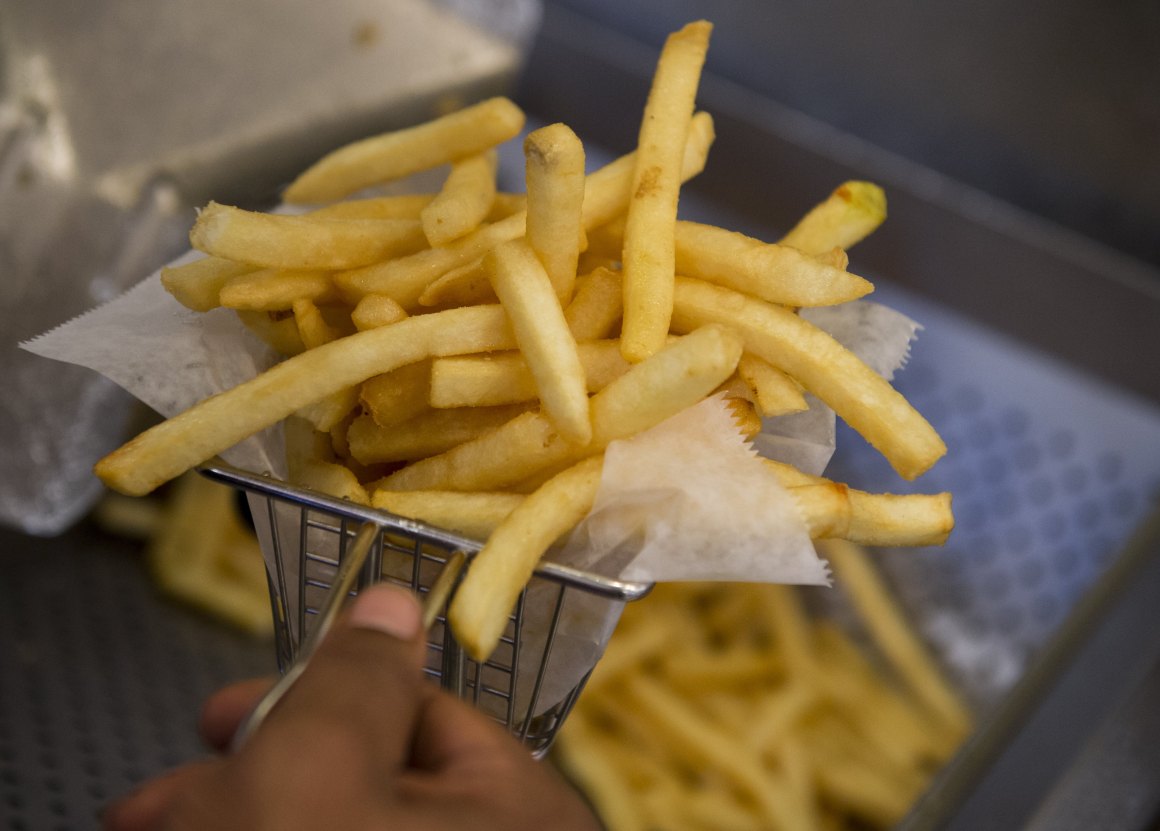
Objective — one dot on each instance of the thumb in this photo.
(363, 688)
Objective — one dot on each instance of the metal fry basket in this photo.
(529, 683)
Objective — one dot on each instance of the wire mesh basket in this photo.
(525, 684)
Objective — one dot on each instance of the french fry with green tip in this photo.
(850, 214)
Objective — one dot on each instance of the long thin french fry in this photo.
(652, 212)
(400, 153)
(861, 397)
(221, 421)
(555, 183)
(479, 611)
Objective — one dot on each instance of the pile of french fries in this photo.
(464, 357)
(728, 706)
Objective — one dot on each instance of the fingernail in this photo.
(388, 609)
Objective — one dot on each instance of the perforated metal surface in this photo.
(100, 678)
(1051, 472)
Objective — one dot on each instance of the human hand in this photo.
(361, 741)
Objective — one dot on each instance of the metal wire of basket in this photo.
(305, 534)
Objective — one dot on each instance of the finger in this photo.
(225, 709)
(451, 735)
(362, 690)
(145, 808)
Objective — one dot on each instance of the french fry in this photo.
(596, 306)
(774, 273)
(300, 242)
(475, 515)
(479, 611)
(376, 310)
(774, 392)
(312, 326)
(316, 331)
(272, 290)
(311, 464)
(862, 398)
(424, 435)
(744, 416)
(221, 421)
(848, 216)
(398, 395)
(277, 330)
(400, 153)
(652, 211)
(894, 637)
(399, 206)
(882, 519)
(405, 279)
(197, 285)
(527, 295)
(464, 201)
(673, 379)
(490, 380)
(466, 285)
(554, 162)
(606, 194)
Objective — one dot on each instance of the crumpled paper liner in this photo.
(709, 514)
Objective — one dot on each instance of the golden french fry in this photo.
(489, 380)
(400, 153)
(881, 519)
(887, 519)
(376, 310)
(596, 305)
(849, 215)
(400, 206)
(526, 293)
(775, 273)
(464, 201)
(744, 416)
(774, 392)
(862, 398)
(554, 166)
(606, 241)
(466, 285)
(824, 508)
(424, 435)
(406, 279)
(312, 326)
(506, 204)
(315, 331)
(479, 611)
(475, 515)
(398, 395)
(276, 329)
(894, 636)
(606, 194)
(300, 242)
(677, 377)
(198, 284)
(310, 463)
(272, 290)
(652, 210)
(221, 421)
(698, 740)
(204, 555)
